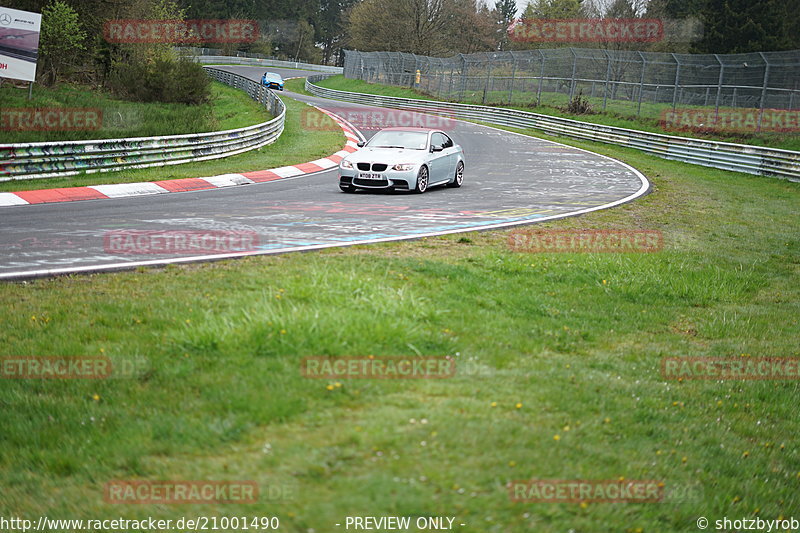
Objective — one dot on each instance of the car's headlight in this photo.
(346, 164)
(403, 166)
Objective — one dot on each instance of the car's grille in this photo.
(377, 167)
(371, 183)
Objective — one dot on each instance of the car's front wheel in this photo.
(422, 180)
(458, 178)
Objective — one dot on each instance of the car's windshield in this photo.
(272, 76)
(409, 140)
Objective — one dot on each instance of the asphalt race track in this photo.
(509, 179)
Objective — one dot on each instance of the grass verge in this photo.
(787, 141)
(297, 144)
(565, 352)
(229, 109)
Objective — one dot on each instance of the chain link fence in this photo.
(622, 81)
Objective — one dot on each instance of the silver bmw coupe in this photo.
(410, 159)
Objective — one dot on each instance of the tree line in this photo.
(73, 46)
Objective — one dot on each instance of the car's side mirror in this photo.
(436, 148)
(361, 144)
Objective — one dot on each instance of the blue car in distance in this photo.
(272, 81)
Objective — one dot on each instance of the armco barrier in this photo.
(728, 156)
(256, 62)
(41, 160)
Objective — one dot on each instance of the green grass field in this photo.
(229, 109)
(618, 113)
(562, 355)
(297, 144)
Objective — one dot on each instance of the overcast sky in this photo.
(522, 4)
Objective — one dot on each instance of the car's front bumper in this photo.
(274, 86)
(394, 179)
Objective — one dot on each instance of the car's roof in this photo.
(409, 128)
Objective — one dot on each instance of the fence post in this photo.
(763, 90)
(463, 77)
(608, 78)
(541, 79)
(574, 66)
(450, 81)
(488, 77)
(719, 88)
(675, 83)
(513, 75)
(641, 84)
(441, 78)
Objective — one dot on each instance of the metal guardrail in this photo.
(728, 156)
(24, 161)
(257, 62)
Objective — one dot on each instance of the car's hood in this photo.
(387, 155)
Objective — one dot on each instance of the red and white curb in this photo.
(125, 190)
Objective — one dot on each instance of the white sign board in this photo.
(19, 43)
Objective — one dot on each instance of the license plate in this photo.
(370, 176)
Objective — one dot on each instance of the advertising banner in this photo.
(19, 43)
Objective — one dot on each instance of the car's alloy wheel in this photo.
(458, 179)
(422, 180)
